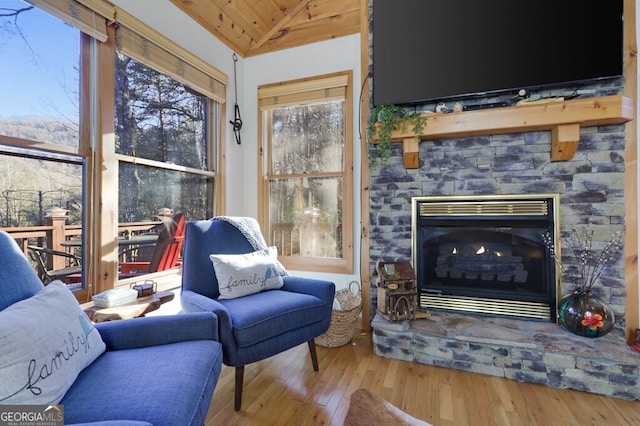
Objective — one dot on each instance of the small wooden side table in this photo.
(135, 309)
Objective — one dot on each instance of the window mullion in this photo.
(305, 175)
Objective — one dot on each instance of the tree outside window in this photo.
(307, 211)
(161, 120)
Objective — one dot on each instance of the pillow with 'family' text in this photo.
(46, 340)
(244, 274)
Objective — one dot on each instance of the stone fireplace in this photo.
(485, 254)
(589, 186)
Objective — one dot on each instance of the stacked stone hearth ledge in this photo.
(526, 351)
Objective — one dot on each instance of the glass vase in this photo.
(586, 315)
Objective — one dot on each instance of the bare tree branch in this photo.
(15, 13)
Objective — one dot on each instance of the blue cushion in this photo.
(147, 384)
(113, 423)
(272, 313)
(17, 277)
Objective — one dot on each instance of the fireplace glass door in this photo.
(485, 256)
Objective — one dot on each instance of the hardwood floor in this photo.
(284, 390)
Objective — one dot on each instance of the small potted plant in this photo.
(386, 118)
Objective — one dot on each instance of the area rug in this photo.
(367, 409)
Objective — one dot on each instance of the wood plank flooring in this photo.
(284, 390)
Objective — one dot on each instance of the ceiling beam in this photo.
(265, 38)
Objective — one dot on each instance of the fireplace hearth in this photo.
(485, 254)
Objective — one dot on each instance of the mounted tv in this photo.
(431, 50)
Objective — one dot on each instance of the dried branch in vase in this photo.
(590, 262)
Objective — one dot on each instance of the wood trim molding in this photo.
(632, 307)
(365, 275)
(564, 119)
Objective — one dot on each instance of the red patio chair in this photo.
(166, 253)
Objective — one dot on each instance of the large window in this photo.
(163, 138)
(160, 120)
(42, 162)
(105, 127)
(306, 172)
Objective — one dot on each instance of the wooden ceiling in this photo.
(252, 27)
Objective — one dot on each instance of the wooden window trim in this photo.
(145, 45)
(97, 141)
(75, 14)
(291, 93)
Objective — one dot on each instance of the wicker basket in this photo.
(343, 320)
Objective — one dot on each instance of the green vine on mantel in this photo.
(384, 120)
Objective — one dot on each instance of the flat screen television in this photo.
(429, 50)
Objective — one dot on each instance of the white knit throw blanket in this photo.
(250, 228)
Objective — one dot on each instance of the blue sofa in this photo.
(157, 370)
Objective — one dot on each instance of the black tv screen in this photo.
(427, 50)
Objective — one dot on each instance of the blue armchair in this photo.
(158, 370)
(256, 326)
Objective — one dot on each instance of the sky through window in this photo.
(38, 64)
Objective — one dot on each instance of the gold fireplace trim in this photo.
(485, 205)
(511, 308)
(489, 208)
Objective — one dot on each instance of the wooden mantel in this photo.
(563, 119)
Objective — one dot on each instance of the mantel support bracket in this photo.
(564, 141)
(411, 152)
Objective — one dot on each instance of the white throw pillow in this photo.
(243, 274)
(46, 341)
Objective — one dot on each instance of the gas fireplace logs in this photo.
(484, 263)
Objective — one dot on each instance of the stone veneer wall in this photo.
(526, 351)
(591, 187)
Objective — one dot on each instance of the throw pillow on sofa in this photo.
(244, 274)
(46, 340)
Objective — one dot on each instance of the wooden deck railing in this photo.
(56, 231)
(323, 240)
(313, 240)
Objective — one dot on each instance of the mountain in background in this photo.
(31, 180)
(57, 132)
